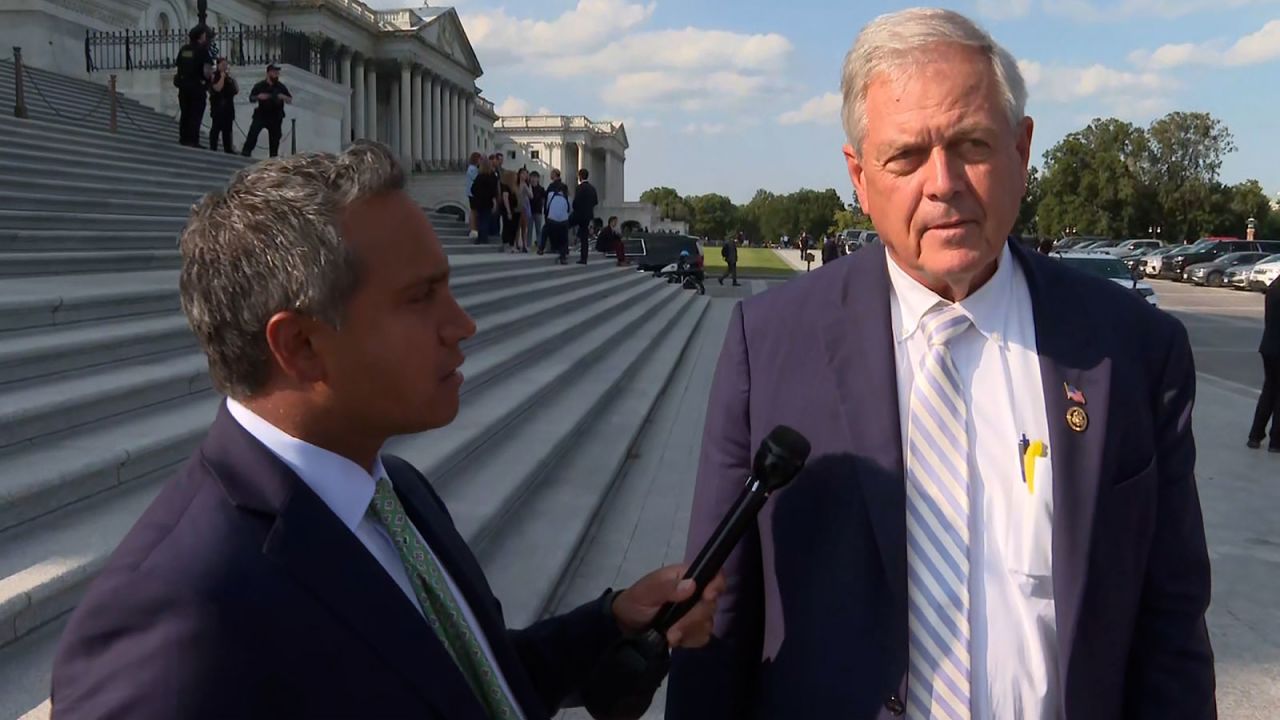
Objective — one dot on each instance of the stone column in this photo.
(613, 172)
(469, 125)
(371, 101)
(391, 126)
(406, 116)
(423, 109)
(446, 130)
(437, 121)
(358, 101)
(415, 110)
(343, 61)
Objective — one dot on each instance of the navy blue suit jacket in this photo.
(814, 622)
(239, 594)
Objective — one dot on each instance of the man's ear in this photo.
(290, 339)
(858, 178)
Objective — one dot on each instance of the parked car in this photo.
(1239, 276)
(1264, 273)
(651, 252)
(1153, 261)
(1136, 259)
(1209, 250)
(1130, 247)
(1075, 241)
(1212, 273)
(1110, 268)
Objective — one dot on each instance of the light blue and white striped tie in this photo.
(938, 528)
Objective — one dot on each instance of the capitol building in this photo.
(406, 78)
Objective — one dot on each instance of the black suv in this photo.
(1175, 265)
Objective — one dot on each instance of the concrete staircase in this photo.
(103, 391)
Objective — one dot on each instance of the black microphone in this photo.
(625, 679)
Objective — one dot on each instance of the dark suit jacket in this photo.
(814, 622)
(585, 201)
(1271, 321)
(239, 594)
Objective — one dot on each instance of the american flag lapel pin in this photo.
(1074, 394)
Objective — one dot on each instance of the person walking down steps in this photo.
(730, 254)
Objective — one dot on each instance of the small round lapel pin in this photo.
(1077, 419)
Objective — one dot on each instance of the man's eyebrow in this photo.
(434, 278)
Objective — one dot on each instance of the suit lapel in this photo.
(865, 376)
(312, 545)
(458, 560)
(1067, 357)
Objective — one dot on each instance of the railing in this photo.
(242, 45)
(555, 122)
(357, 8)
(400, 19)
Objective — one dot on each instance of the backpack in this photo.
(558, 207)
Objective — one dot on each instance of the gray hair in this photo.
(895, 41)
(271, 242)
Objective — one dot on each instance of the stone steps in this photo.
(57, 136)
(527, 560)
(103, 391)
(17, 264)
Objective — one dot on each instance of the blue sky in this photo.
(728, 97)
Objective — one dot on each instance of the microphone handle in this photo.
(713, 554)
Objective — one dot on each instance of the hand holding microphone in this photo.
(631, 671)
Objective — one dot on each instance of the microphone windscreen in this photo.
(790, 443)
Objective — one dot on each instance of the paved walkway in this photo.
(792, 257)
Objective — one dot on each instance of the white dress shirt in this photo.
(347, 489)
(1014, 648)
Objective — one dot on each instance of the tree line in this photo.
(764, 219)
(1111, 178)
(1119, 180)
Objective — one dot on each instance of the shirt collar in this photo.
(988, 307)
(345, 487)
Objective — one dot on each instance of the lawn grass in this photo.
(752, 262)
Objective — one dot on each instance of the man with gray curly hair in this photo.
(999, 517)
(291, 569)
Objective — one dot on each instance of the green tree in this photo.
(668, 202)
(1026, 224)
(1093, 182)
(713, 215)
(1231, 207)
(1184, 156)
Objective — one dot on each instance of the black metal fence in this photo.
(242, 45)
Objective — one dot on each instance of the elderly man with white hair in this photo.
(999, 518)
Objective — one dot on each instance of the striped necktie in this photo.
(938, 528)
(439, 605)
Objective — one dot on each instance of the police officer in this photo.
(271, 96)
(194, 68)
(222, 107)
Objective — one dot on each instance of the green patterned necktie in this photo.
(439, 605)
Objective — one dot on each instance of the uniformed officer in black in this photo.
(222, 106)
(194, 68)
(271, 96)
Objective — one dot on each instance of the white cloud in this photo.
(519, 106)
(1057, 83)
(1088, 10)
(512, 106)
(1252, 49)
(703, 128)
(501, 39)
(689, 49)
(1004, 9)
(823, 109)
(688, 91)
